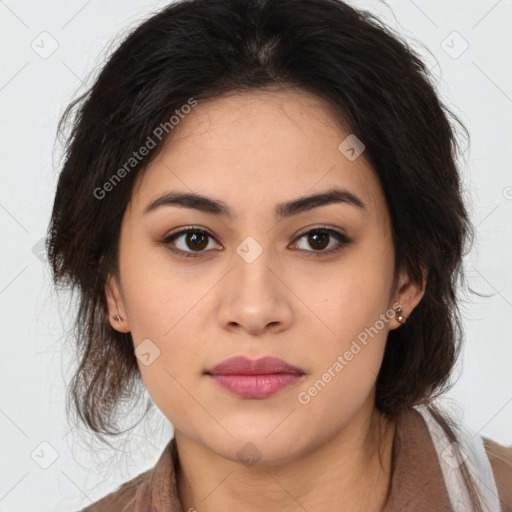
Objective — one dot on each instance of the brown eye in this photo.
(195, 240)
(321, 238)
(189, 241)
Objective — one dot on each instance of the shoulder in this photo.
(500, 458)
(123, 497)
(138, 493)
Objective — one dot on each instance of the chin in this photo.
(256, 449)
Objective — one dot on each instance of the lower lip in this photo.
(256, 386)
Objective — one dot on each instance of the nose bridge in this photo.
(253, 275)
(254, 298)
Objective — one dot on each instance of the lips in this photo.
(255, 378)
(242, 365)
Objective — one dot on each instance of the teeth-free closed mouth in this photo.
(255, 378)
(243, 365)
(254, 372)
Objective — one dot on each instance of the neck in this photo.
(353, 467)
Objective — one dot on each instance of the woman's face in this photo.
(250, 279)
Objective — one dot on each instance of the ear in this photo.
(115, 303)
(408, 295)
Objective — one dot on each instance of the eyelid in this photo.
(342, 238)
(321, 227)
(186, 229)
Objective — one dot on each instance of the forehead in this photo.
(257, 149)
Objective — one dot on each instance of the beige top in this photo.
(417, 483)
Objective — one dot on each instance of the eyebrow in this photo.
(281, 211)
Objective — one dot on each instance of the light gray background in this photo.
(36, 356)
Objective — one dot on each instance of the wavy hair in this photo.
(375, 84)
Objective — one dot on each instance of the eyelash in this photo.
(340, 237)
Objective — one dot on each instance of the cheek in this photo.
(171, 378)
(349, 355)
(354, 311)
(159, 293)
(351, 297)
(161, 310)
(168, 378)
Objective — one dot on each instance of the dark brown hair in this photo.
(203, 49)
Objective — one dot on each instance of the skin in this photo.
(253, 151)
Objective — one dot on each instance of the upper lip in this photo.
(242, 365)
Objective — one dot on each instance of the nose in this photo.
(255, 298)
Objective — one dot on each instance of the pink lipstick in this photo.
(255, 378)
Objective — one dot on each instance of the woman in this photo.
(261, 211)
